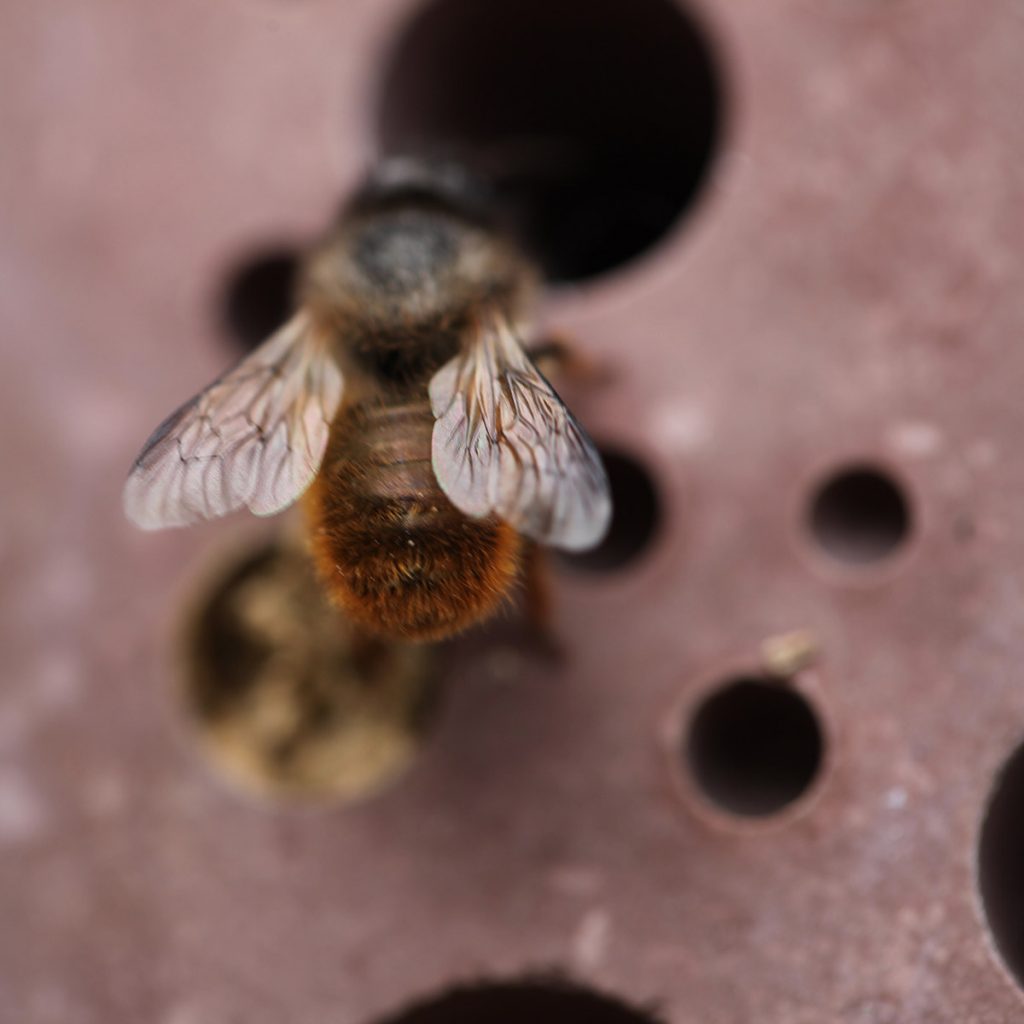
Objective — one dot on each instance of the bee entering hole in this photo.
(754, 746)
(258, 296)
(859, 515)
(1000, 858)
(596, 120)
(540, 1001)
(636, 516)
(286, 699)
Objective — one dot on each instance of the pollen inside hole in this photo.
(754, 746)
(539, 1002)
(597, 119)
(258, 296)
(1000, 860)
(285, 699)
(859, 515)
(636, 516)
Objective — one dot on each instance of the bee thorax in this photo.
(410, 272)
(405, 252)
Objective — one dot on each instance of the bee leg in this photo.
(537, 588)
(367, 652)
(558, 355)
(537, 603)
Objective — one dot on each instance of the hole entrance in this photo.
(597, 119)
(1000, 859)
(859, 515)
(540, 1002)
(754, 746)
(285, 699)
(636, 516)
(258, 296)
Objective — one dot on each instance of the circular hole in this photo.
(754, 747)
(540, 1002)
(859, 515)
(636, 516)
(286, 699)
(595, 119)
(1000, 864)
(258, 296)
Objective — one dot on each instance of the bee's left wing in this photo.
(504, 442)
(254, 437)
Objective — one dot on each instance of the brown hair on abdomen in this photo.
(393, 552)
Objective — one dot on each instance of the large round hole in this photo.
(754, 746)
(286, 699)
(258, 296)
(537, 1002)
(636, 516)
(1001, 864)
(859, 515)
(596, 119)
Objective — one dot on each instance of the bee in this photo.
(400, 402)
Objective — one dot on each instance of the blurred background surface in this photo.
(756, 789)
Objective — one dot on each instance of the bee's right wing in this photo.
(254, 437)
(505, 443)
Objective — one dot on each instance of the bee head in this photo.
(428, 181)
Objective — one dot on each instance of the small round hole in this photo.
(636, 516)
(1001, 864)
(539, 1001)
(597, 119)
(286, 699)
(754, 746)
(258, 296)
(859, 515)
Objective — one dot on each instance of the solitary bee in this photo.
(400, 399)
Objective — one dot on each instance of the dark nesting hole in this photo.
(539, 1002)
(258, 296)
(754, 746)
(597, 119)
(1001, 864)
(636, 516)
(859, 515)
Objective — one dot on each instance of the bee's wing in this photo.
(504, 442)
(255, 437)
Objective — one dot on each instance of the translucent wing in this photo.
(254, 437)
(504, 442)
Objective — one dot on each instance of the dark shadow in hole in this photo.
(636, 517)
(1001, 864)
(258, 295)
(754, 746)
(540, 1001)
(859, 515)
(598, 119)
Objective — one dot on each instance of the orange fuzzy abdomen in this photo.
(392, 550)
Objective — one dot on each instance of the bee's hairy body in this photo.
(396, 292)
(394, 552)
(400, 402)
